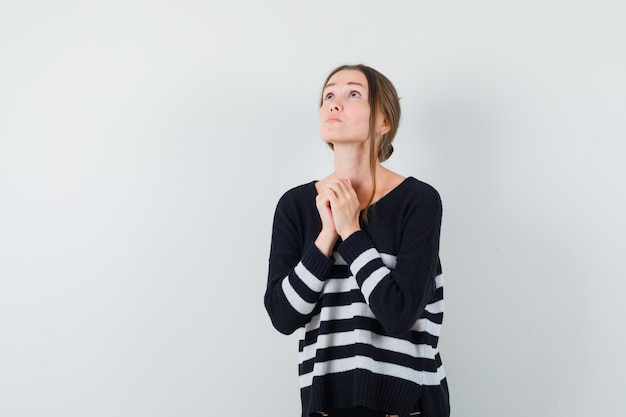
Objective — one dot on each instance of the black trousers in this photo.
(361, 411)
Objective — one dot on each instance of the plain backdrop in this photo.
(144, 145)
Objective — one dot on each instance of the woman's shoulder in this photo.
(421, 187)
(302, 193)
(412, 187)
(412, 194)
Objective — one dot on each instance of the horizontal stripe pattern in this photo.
(297, 302)
(303, 298)
(347, 312)
(362, 336)
(344, 334)
(370, 268)
(388, 260)
(363, 259)
(372, 281)
(367, 363)
(339, 285)
(347, 356)
(311, 281)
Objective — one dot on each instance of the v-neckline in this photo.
(392, 191)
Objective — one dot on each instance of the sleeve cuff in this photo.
(357, 243)
(316, 262)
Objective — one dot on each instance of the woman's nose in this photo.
(335, 107)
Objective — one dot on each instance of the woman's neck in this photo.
(353, 163)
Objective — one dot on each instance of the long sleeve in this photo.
(371, 314)
(297, 269)
(397, 294)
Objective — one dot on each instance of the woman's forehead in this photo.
(348, 76)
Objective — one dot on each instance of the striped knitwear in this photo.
(370, 315)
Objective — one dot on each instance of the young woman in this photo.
(354, 261)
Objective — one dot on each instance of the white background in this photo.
(144, 144)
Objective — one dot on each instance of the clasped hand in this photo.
(339, 208)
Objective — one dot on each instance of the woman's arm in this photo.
(397, 296)
(296, 276)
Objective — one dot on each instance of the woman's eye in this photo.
(355, 94)
(329, 96)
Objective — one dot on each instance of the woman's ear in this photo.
(383, 126)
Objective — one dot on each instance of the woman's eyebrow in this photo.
(349, 83)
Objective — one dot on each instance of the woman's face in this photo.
(345, 110)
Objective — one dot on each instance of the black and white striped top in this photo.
(370, 316)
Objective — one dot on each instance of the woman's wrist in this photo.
(325, 242)
(345, 234)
